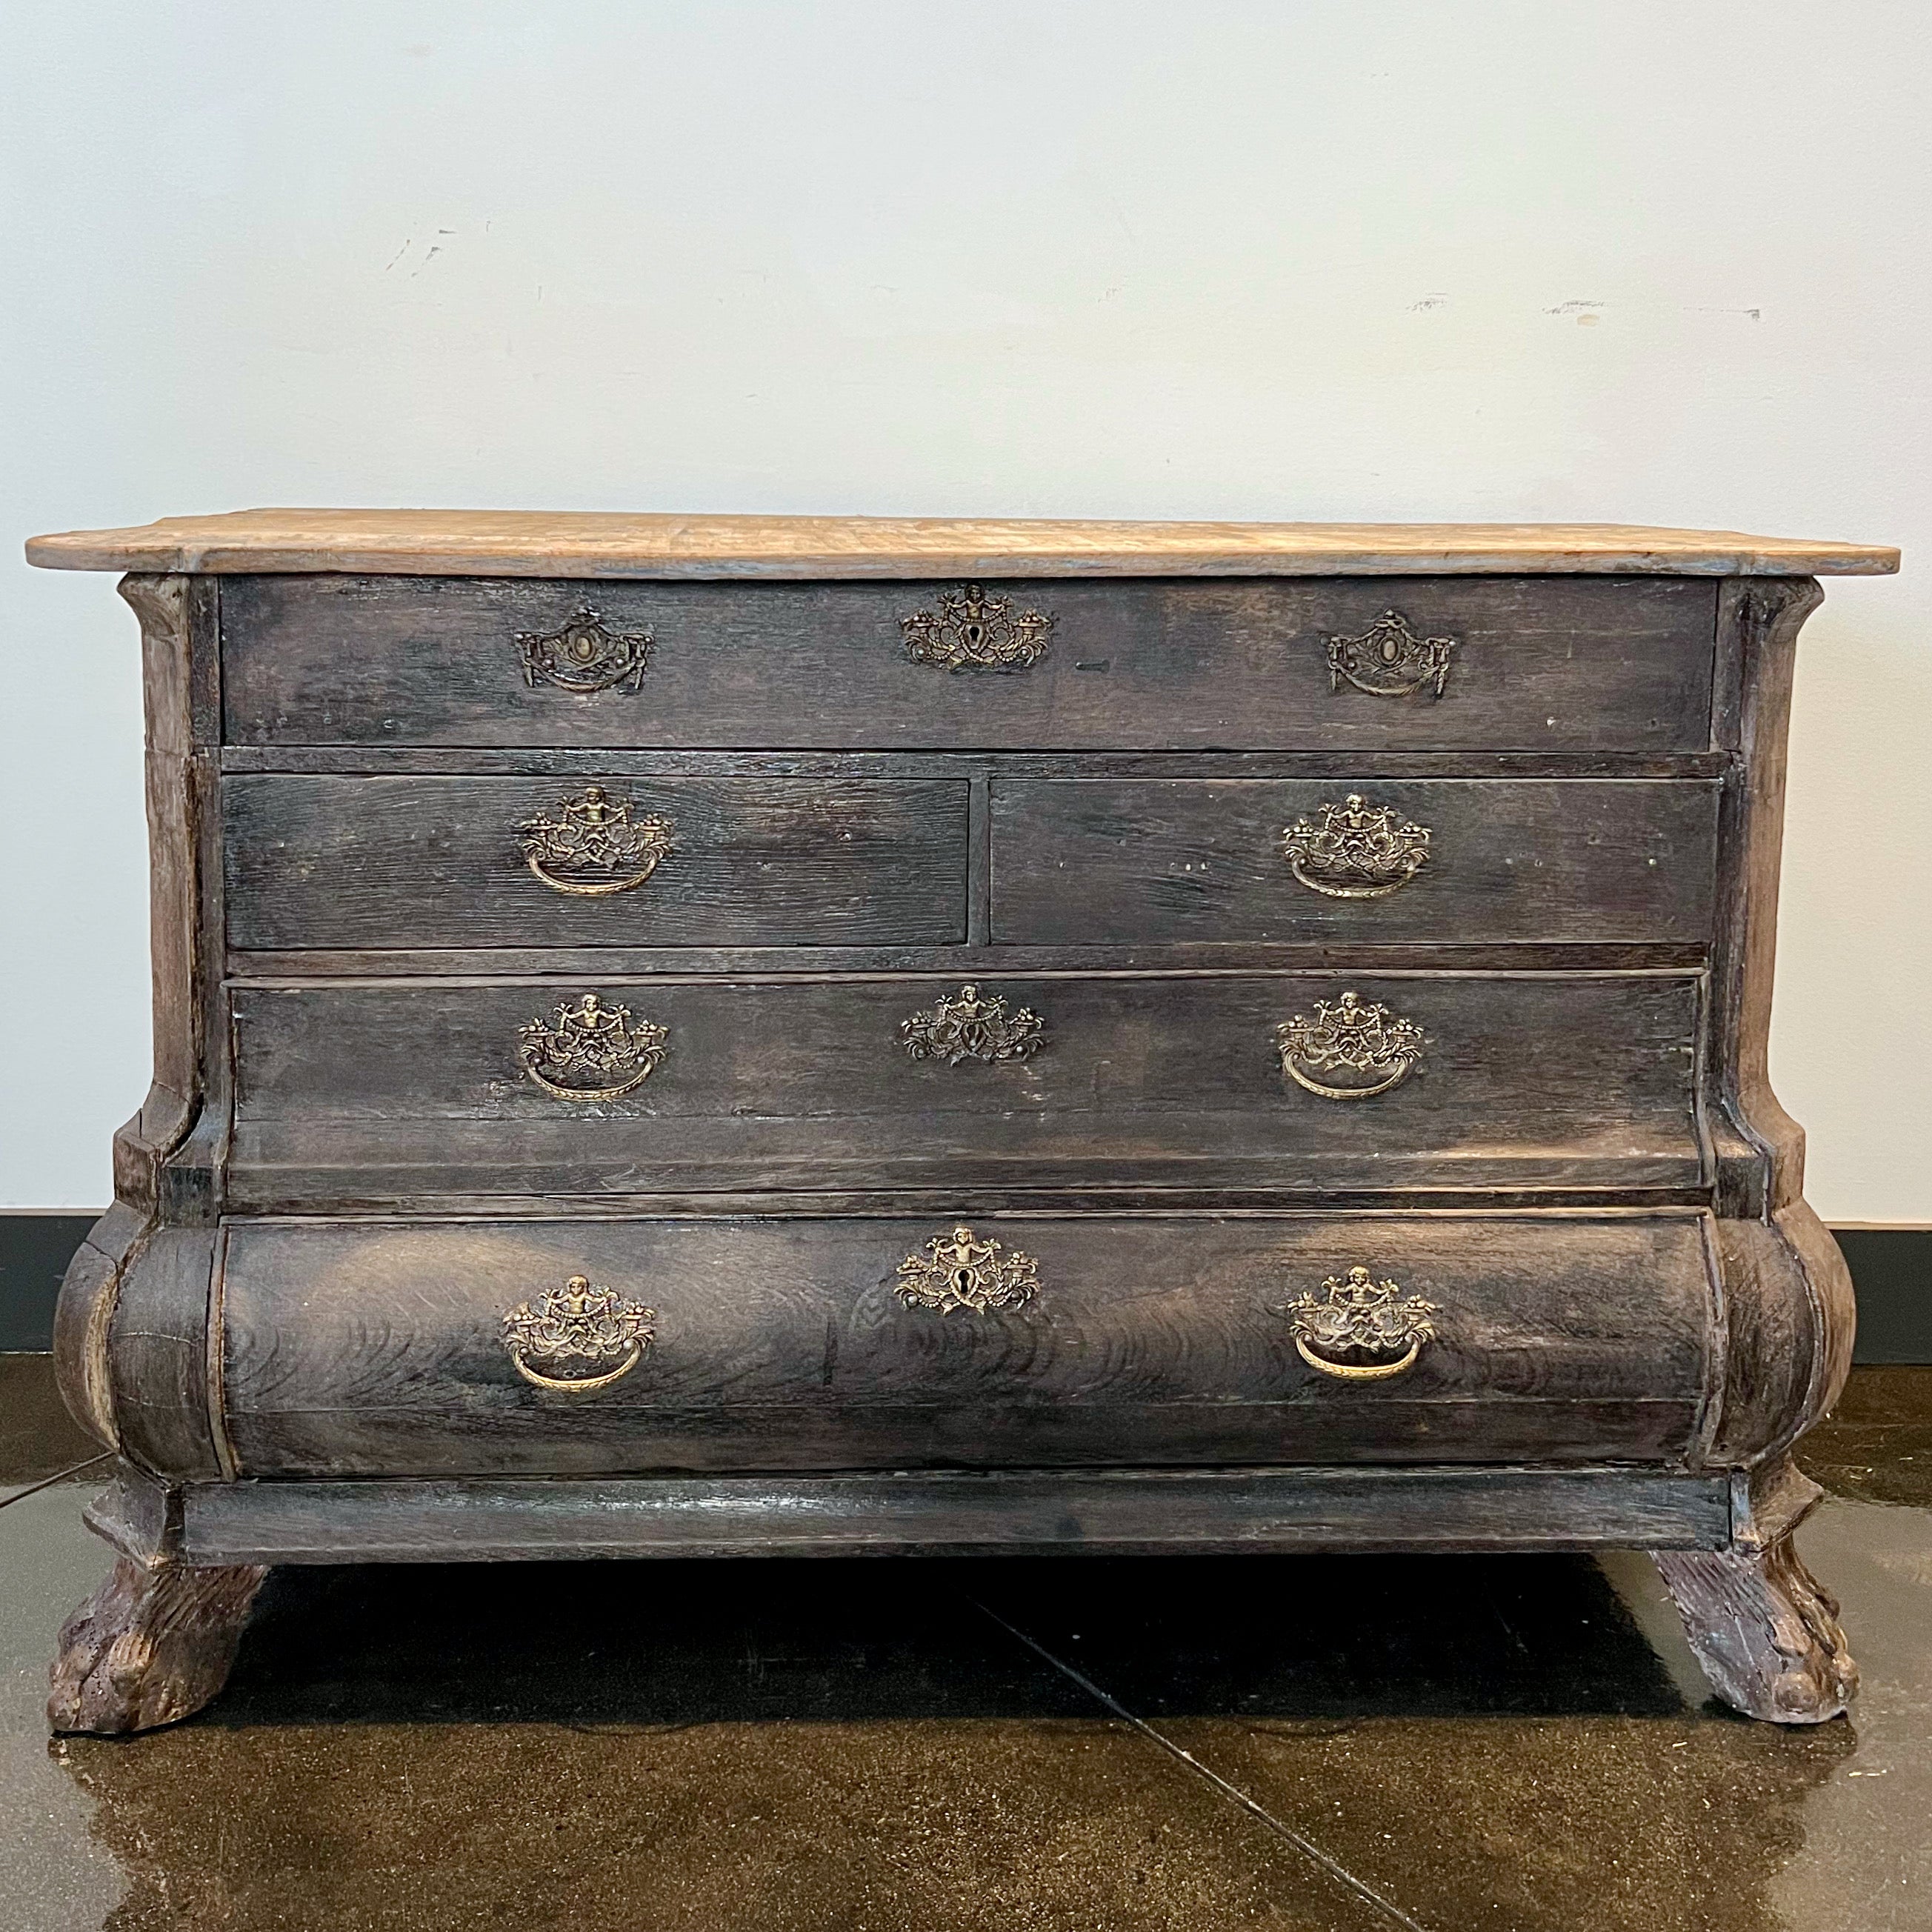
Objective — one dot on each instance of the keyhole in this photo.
(975, 634)
(962, 1280)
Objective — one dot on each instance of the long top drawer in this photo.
(1416, 663)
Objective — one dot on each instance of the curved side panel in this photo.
(1790, 1321)
(1760, 1148)
(84, 1313)
(157, 1355)
(1837, 1310)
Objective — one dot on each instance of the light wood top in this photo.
(517, 543)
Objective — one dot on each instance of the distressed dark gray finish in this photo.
(1623, 664)
(351, 1092)
(766, 962)
(465, 1520)
(377, 1350)
(1090, 862)
(1586, 1171)
(415, 862)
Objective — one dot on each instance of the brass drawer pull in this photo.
(960, 1271)
(962, 1026)
(590, 1052)
(578, 1323)
(973, 631)
(1347, 1036)
(1362, 1320)
(1388, 659)
(593, 848)
(1355, 850)
(584, 655)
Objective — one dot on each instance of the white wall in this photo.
(1646, 260)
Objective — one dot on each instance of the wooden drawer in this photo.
(1557, 663)
(1104, 862)
(380, 1349)
(461, 861)
(354, 1091)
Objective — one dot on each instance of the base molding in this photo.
(1117, 1511)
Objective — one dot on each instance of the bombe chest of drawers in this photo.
(733, 1037)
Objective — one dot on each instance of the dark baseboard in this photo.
(1891, 1267)
(35, 1251)
(1891, 1270)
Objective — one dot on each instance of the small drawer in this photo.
(1283, 1082)
(592, 1347)
(1537, 664)
(1106, 861)
(323, 861)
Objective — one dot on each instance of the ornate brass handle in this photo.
(960, 1270)
(1355, 850)
(973, 630)
(962, 1026)
(1346, 1036)
(1362, 1322)
(584, 655)
(590, 1052)
(1388, 659)
(578, 1323)
(593, 848)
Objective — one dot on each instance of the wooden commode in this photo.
(734, 1035)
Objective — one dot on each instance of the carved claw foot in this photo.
(150, 1646)
(1764, 1631)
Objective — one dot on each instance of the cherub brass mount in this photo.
(593, 848)
(575, 1323)
(1347, 1036)
(961, 1271)
(1388, 659)
(1359, 1329)
(963, 1026)
(973, 630)
(590, 1052)
(1355, 850)
(584, 655)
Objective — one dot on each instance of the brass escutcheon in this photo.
(962, 1271)
(973, 630)
(1388, 659)
(584, 656)
(964, 1026)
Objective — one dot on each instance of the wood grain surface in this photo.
(377, 1349)
(429, 862)
(1098, 862)
(513, 543)
(352, 1093)
(1147, 1511)
(1548, 664)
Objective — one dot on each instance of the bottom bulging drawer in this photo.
(584, 1347)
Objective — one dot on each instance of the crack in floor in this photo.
(58, 1476)
(1281, 1829)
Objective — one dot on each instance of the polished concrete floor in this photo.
(1450, 1743)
